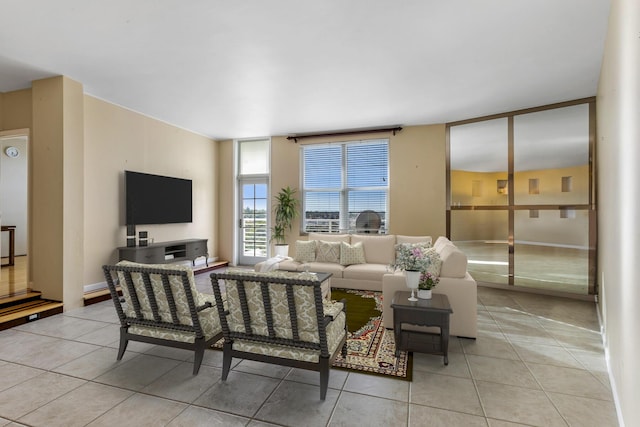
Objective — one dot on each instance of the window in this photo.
(343, 180)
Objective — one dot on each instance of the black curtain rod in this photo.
(296, 137)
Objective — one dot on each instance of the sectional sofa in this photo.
(363, 262)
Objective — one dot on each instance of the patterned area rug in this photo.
(370, 348)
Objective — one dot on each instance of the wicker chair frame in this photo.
(200, 342)
(325, 359)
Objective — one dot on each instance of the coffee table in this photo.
(325, 283)
(424, 312)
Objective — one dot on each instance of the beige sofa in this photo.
(375, 273)
(455, 282)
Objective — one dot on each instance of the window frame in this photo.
(344, 190)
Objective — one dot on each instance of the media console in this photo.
(165, 252)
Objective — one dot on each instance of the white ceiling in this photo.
(235, 69)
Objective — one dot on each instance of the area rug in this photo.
(370, 347)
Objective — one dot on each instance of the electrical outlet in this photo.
(33, 317)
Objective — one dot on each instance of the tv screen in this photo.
(156, 199)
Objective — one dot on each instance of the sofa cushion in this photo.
(377, 249)
(328, 237)
(305, 251)
(373, 272)
(351, 254)
(326, 267)
(413, 239)
(327, 251)
(454, 261)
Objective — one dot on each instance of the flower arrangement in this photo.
(428, 281)
(411, 257)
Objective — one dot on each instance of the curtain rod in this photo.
(296, 137)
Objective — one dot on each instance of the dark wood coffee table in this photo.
(424, 312)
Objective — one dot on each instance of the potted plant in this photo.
(427, 282)
(286, 210)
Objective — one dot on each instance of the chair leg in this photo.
(199, 355)
(123, 342)
(226, 360)
(324, 377)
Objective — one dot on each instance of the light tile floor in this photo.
(538, 361)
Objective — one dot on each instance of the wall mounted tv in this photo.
(156, 199)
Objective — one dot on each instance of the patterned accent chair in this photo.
(279, 318)
(161, 305)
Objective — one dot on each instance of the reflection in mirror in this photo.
(478, 176)
(479, 162)
(550, 226)
(548, 147)
(551, 250)
(551, 167)
(483, 235)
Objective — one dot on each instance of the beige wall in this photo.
(226, 200)
(117, 139)
(417, 164)
(618, 109)
(80, 147)
(15, 110)
(56, 254)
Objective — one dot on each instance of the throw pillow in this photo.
(435, 262)
(305, 251)
(351, 254)
(424, 247)
(328, 251)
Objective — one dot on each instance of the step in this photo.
(18, 298)
(29, 311)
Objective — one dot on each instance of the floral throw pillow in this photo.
(351, 254)
(435, 262)
(328, 251)
(305, 251)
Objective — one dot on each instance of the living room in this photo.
(77, 164)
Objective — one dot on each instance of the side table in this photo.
(424, 312)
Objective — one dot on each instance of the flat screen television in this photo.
(156, 199)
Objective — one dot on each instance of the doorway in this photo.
(253, 221)
(14, 194)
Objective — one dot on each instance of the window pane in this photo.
(323, 167)
(254, 157)
(322, 212)
(367, 165)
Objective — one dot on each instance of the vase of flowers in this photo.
(426, 282)
(411, 259)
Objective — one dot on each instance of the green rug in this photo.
(370, 347)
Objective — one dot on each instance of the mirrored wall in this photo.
(521, 201)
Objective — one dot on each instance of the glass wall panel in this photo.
(551, 250)
(483, 236)
(479, 162)
(551, 150)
